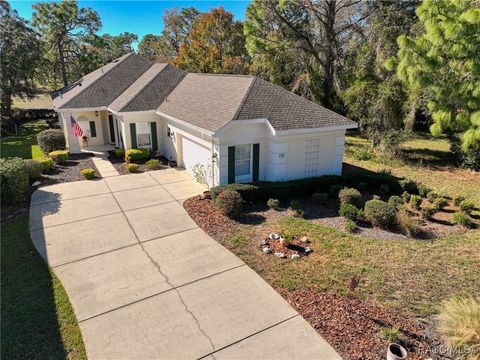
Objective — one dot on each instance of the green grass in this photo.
(426, 160)
(37, 319)
(23, 145)
(412, 276)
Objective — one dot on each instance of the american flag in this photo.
(77, 130)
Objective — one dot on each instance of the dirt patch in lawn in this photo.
(353, 327)
(70, 171)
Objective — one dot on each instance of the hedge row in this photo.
(265, 190)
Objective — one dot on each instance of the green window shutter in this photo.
(153, 126)
(133, 135)
(256, 162)
(231, 164)
(93, 129)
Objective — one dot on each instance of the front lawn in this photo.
(23, 145)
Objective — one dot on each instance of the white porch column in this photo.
(73, 144)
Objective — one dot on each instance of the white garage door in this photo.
(194, 153)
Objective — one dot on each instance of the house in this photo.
(239, 127)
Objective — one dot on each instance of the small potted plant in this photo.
(396, 352)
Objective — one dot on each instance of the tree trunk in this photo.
(63, 68)
(329, 66)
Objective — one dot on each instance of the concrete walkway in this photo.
(146, 283)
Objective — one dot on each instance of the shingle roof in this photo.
(105, 89)
(207, 100)
(285, 110)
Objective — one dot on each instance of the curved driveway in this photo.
(146, 282)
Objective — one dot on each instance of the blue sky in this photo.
(139, 17)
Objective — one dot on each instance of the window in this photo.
(143, 134)
(243, 160)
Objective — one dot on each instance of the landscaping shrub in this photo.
(459, 323)
(440, 203)
(273, 204)
(362, 186)
(34, 168)
(334, 190)
(230, 203)
(133, 168)
(295, 204)
(427, 213)
(423, 190)
(350, 196)
(118, 152)
(391, 334)
(362, 154)
(298, 213)
(46, 163)
(457, 199)
(320, 198)
(89, 174)
(409, 225)
(409, 186)
(406, 197)
(153, 164)
(384, 189)
(14, 180)
(379, 213)
(350, 226)
(431, 196)
(462, 218)
(395, 201)
(349, 211)
(51, 140)
(415, 201)
(59, 156)
(136, 154)
(467, 206)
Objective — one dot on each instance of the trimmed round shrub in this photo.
(350, 226)
(333, 191)
(230, 203)
(46, 163)
(466, 206)
(423, 190)
(14, 180)
(379, 213)
(384, 189)
(295, 204)
(409, 186)
(415, 201)
(320, 198)
(362, 186)
(431, 196)
(406, 197)
(118, 152)
(133, 168)
(89, 174)
(136, 154)
(439, 203)
(427, 213)
(462, 218)
(457, 199)
(34, 168)
(59, 156)
(51, 140)
(153, 164)
(273, 204)
(395, 201)
(349, 211)
(350, 196)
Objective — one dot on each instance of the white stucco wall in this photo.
(83, 118)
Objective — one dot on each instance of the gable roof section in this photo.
(156, 90)
(105, 89)
(208, 101)
(67, 93)
(285, 110)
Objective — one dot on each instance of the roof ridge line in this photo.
(142, 88)
(244, 98)
(100, 77)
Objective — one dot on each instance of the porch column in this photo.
(71, 140)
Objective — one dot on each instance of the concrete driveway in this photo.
(146, 282)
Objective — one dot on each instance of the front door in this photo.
(112, 129)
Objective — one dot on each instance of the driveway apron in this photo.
(146, 282)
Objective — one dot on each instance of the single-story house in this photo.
(239, 127)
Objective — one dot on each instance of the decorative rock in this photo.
(284, 242)
(304, 239)
(308, 250)
(266, 250)
(280, 255)
(264, 242)
(295, 256)
(36, 183)
(274, 236)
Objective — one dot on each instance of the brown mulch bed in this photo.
(121, 165)
(352, 326)
(69, 171)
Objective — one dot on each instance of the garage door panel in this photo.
(195, 153)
